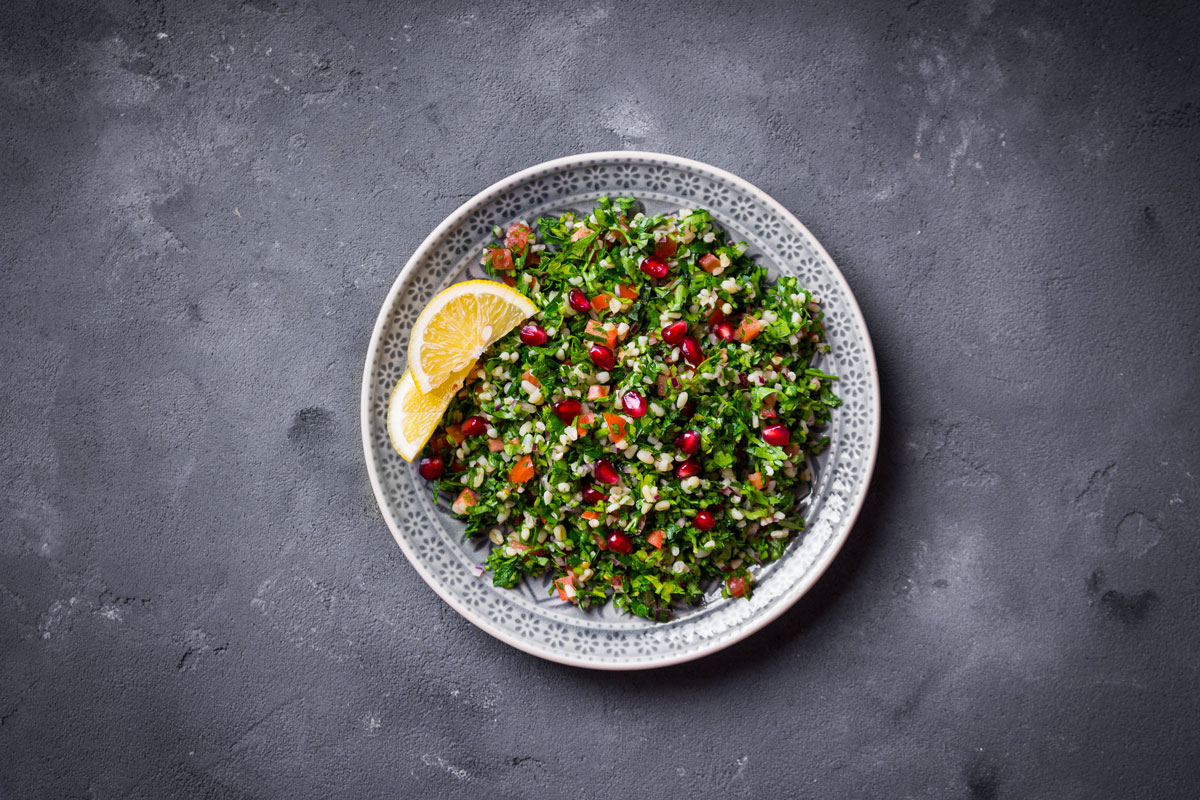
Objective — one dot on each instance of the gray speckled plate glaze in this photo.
(527, 617)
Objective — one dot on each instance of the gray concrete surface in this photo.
(203, 204)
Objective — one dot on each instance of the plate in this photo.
(527, 617)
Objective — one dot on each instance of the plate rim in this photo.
(787, 600)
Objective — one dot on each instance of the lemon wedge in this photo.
(413, 415)
(458, 325)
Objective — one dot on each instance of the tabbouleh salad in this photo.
(648, 432)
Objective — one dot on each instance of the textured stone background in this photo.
(202, 206)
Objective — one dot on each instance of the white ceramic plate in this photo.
(527, 617)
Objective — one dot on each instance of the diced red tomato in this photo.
(590, 515)
(466, 498)
(603, 545)
(596, 391)
(495, 445)
(583, 420)
(606, 332)
(616, 427)
(600, 302)
(626, 292)
(581, 233)
(501, 258)
(509, 280)
(655, 539)
(455, 434)
(708, 262)
(666, 247)
(522, 470)
(768, 413)
(516, 237)
(528, 376)
(749, 328)
(756, 480)
(561, 585)
(737, 586)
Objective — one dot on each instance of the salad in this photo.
(647, 432)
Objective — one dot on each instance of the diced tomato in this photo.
(666, 247)
(627, 292)
(595, 330)
(716, 317)
(454, 434)
(768, 413)
(600, 302)
(596, 391)
(737, 586)
(655, 539)
(617, 584)
(495, 445)
(583, 420)
(749, 328)
(501, 258)
(518, 546)
(466, 498)
(603, 545)
(756, 480)
(528, 376)
(522, 470)
(509, 280)
(616, 427)
(708, 262)
(561, 584)
(590, 515)
(581, 233)
(516, 237)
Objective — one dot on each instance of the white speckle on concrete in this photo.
(437, 761)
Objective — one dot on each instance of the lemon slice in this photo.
(458, 325)
(413, 415)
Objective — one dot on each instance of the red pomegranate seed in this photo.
(737, 586)
(688, 468)
(605, 472)
(704, 520)
(533, 334)
(567, 410)
(431, 468)
(592, 495)
(603, 357)
(634, 404)
(688, 442)
(457, 466)
(474, 426)
(655, 267)
(691, 350)
(776, 434)
(723, 331)
(665, 248)
(579, 301)
(619, 542)
(674, 333)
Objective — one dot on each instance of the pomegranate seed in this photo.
(634, 403)
(688, 442)
(688, 468)
(619, 542)
(665, 248)
(776, 434)
(592, 495)
(605, 472)
(602, 356)
(567, 410)
(431, 468)
(737, 586)
(533, 335)
(704, 520)
(474, 426)
(691, 350)
(457, 466)
(655, 267)
(723, 331)
(674, 333)
(579, 301)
